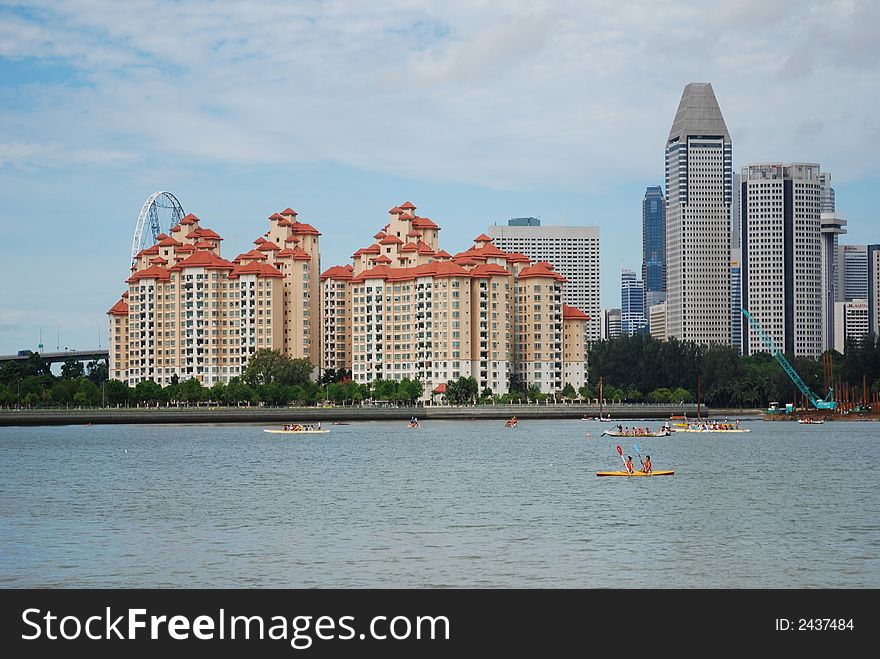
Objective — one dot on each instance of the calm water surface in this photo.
(453, 504)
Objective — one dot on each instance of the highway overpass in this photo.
(60, 357)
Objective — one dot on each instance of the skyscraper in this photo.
(610, 324)
(782, 276)
(853, 264)
(699, 172)
(632, 304)
(874, 289)
(654, 245)
(573, 252)
(736, 264)
(826, 193)
(831, 228)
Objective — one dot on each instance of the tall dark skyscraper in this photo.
(654, 246)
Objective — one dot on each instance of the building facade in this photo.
(658, 321)
(632, 304)
(874, 289)
(574, 253)
(192, 314)
(654, 245)
(853, 265)
(831, 227)
(575, 325)
(782, 276)
(826, 194)
(852, 322)
(336, 312)
(699, 171)
(610, 321)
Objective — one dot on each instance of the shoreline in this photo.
(329, 414)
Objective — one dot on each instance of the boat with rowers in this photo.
(710, 426)
(298, 429)
(811, 422)
(635, 473)
(626, 432)
(511, 423)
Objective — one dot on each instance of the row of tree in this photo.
(633, 369)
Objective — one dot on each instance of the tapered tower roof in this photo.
(698, 114)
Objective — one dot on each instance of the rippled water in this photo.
(453, 504)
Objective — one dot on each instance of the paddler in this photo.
(646, 463)
(629, 464)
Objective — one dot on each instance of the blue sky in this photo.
(476, 111)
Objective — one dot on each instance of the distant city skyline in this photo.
(355, 106)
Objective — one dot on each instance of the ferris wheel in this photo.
(160, 212)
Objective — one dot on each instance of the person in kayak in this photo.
(629, 464)
(646, 464)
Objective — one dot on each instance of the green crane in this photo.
(828, 403)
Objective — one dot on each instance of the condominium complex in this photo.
(404, 308)
(574, 253)
(781, 270)
(654, 245)
(189, 313)
(699, 172)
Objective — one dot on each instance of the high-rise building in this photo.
(192, 314)
(831, 228)
(575, 343)
(524, 222)
(851, 318)
(782, 276)
(336, 296)
(699, 168)
(736, 264)
(853, 265)
(654, 245)
(610, 323)
(574, 253)
(874, 289)
(826, 193)
(658, 321)
(632, 304)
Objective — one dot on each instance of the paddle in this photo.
(640, 455)
(620, 453)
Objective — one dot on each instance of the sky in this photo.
(476, 111)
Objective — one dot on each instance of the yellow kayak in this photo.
(637, 473)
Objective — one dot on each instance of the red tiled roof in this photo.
(299, 254)
(291, 239)
(488, 249)
(161, 237)
(541, 269)
(258, 269)
(435, 269)
(190, 219)
(175, 228)
(302, 227)
(204, 244)
(408, 205)
(372, 249)
(268, 247)
(516, 257)
(159, 260)
(424, 248)
(380, 259)
(482, 238)
(252, 255)
(204, 260)
(289, 211)
(391, 240)
(125, 294)
(462, 260)
(489, 270)
(185, 248)
(573, 313)
(151, 250)
(209, 233)
(119, 309)
(153, 272)
(395, 210)
(275, 216)
(424, 223)
(337, 272)
(379, 234)
(168, 242)
(287, 251)
(409, 247)
(406, 216)
(259, 241)
(440, 388)
(442, 254)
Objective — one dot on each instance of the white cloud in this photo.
(499, 94)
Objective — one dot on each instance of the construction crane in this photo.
(828, 403)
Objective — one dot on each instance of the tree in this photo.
(190, 391)
(97, 371)
(681, 395)
(661, 395)
(462, 391)
(487, 395)
(634, 396)
(72, 369)
(147, 391)
(218, 393)
(568, 391)
(586, 392)
(240, 392)
(266, 366)
(116, 392)
(410, 390)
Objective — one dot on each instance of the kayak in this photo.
(296, 432)
(710, 430)
(637, 473)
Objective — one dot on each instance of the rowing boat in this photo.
(636, 473)
(617, 433)
(811, 422)
(296, 432)
(712, 430)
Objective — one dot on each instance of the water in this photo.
(453, 504)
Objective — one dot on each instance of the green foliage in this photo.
(72, 369)
(462, 391)
(148, 391)
(267, 366)
(190, 391)
(117, 393)
(568, 391)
